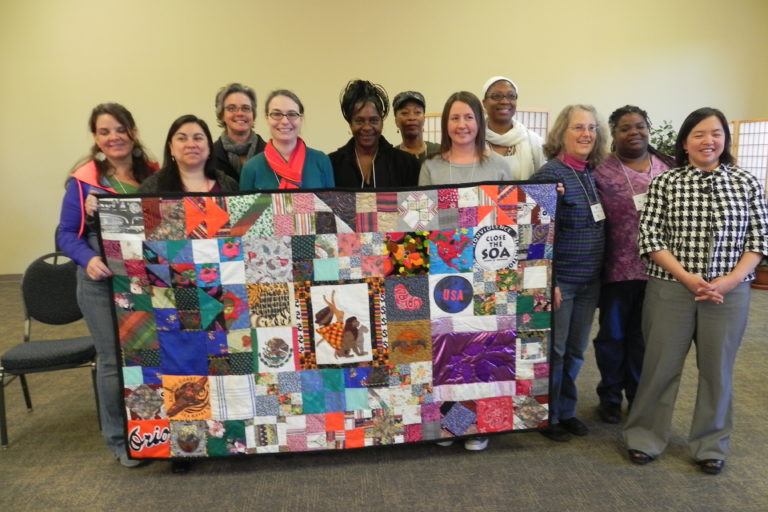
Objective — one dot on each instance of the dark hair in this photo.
(554, 144)
(287, 94)
(694, 118)
(613, 123)
(170, 180)
(141, 164)
(225, 91)
(349, 326)
(477, 108)
(359, 92)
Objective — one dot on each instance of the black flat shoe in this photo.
(711, 466)
(575, 426)
(609, 414)
(180, 467)
(639, 458)
(556, 433)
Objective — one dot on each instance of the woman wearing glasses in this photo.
(236, 112)
(520, 147)
(287, 162)
(575, 146)
(368, 160)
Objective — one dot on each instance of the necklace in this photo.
(373, 168)
(509, 150)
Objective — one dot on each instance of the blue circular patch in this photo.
(453, 294)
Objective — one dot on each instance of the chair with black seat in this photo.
(49, 293)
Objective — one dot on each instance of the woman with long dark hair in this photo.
(117, 164)
(463, 157)
(187, 161)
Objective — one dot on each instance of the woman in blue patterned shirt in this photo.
(704, 229)
(575, 146)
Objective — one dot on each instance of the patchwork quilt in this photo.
(297, 320)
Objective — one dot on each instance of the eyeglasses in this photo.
(578, 128)
(497, 96)
(246, 109)
(276, 115)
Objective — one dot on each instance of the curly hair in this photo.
(555, 138)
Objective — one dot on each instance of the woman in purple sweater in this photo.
(117, 164)
(622, 181)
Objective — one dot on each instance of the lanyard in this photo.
(626, 174)
(575, 174)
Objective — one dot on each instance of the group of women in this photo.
(697, 230)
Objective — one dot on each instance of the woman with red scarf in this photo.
(286, 163)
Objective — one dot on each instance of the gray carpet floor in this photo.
(57, 460)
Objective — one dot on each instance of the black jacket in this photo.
(221, 159)
(393, 167)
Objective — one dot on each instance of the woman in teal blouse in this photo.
(287, 162)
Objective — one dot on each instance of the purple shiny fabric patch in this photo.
(466, 357)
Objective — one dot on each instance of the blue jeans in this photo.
(573, 322)
(95, 302)
(619, 345)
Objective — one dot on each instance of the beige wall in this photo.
(163, 58)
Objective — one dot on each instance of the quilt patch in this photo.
(303, 320)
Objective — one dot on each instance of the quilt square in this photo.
(451, 251)
(342, 322)
(468, 357)
(276, 349)
(410, 341)
(270, 304)
(407, 298)
(268, 260)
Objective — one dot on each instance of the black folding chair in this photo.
(49, 294)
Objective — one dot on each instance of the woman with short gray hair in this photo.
(236, 112)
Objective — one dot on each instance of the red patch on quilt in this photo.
(494, 414)
(149, 439)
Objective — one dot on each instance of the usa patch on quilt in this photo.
(294, 321)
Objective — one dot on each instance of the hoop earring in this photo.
(137, 152)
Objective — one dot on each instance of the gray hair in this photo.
(231, 89)
(555, 138)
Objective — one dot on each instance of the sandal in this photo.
(711, 466)
(639, 458)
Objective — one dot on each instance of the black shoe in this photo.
(556, 433)
(639, 458)
(575, 426)
(180, 467)
(711, 466)
(609, 413)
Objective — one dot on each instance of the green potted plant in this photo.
(663, 138)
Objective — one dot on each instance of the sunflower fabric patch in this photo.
(328, 320)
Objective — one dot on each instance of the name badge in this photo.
(597, 212)
(640, 200)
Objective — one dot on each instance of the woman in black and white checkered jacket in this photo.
(703, 230)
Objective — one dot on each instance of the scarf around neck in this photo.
(235, 150)
(288, 173)
(521, 162)
(573, 162)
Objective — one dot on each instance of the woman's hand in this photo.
(91, 205)
(560, 189)
(557, 299)
(699, 287)
(97, 269)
